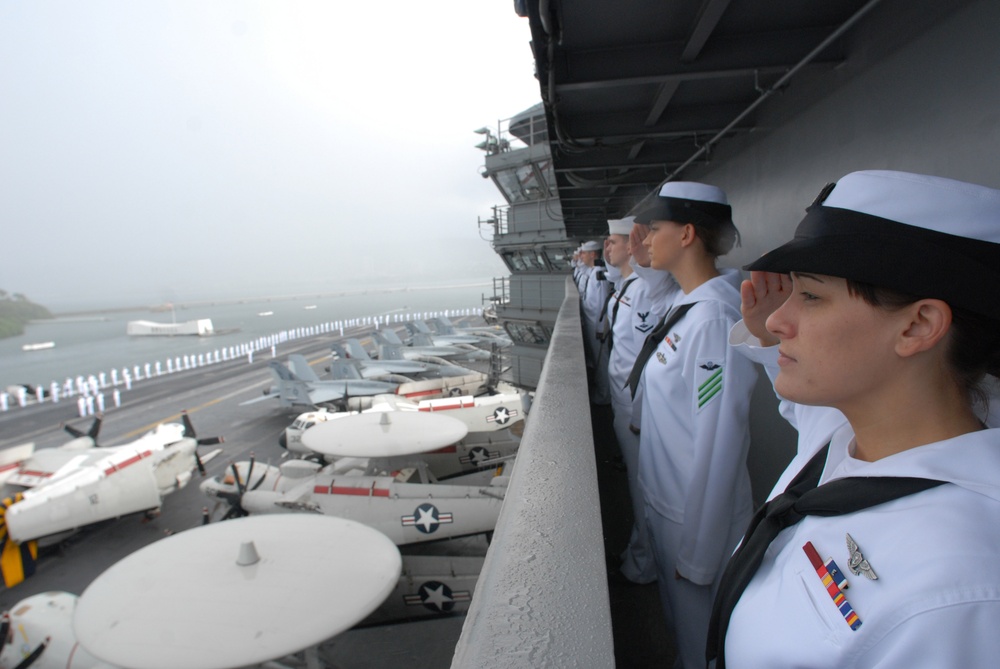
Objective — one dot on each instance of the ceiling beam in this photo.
(708, 18)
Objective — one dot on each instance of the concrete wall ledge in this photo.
(542, 598)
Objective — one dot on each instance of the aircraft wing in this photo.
(324, 393)
(47, 463)
(258, 399)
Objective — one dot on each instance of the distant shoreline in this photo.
(194, 304)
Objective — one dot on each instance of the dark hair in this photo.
(974, 345)
(718, 238)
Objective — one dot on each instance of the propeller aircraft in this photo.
(487, 418)
(56, 491)
(375, 479)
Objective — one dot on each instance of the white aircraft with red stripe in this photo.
(57, 491)
(487, 418)
(375, 479)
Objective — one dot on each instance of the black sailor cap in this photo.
(923, 235)
(685, 202)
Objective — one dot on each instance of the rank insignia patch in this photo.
(709, 380)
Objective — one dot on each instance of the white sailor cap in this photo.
(685, 202)
(591, 246)
(922, 235)
(621, 226)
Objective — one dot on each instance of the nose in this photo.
(780, 322)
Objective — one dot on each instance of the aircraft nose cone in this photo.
(283, 440)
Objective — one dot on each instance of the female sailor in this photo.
(879, 545)
(694, 433)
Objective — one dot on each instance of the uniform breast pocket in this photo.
(823, 611)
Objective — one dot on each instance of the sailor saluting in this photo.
(884, 307)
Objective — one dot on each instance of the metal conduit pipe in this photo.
(542, 597)
(776, 87)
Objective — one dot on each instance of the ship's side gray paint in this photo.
(932, 106)
(542, 598)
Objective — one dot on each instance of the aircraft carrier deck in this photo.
(212, 396)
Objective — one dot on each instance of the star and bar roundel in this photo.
(426, 518)
(437, 596)
(501, 415)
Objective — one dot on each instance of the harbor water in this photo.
(96, 342)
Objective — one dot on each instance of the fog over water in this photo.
(181, 150)
(97, 342)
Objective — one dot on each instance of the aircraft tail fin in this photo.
(17, 561)
(356, 350)
(342, 370)
(291, 390)
(339, 351)
(444, 326)
(389, 337)
(281, 373)
(421, 339)
(301, 368)
(417, 327)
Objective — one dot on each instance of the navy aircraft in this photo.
(440, 380)
(56, 491)
(304, 388)
(369, 367)
(365, 484)
(422, 347)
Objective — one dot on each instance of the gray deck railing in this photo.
(542, 597)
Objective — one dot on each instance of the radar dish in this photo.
(384, 434)
(236, 593)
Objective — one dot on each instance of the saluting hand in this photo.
(762, 294)
(635, 245)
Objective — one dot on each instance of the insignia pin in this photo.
(858, 564)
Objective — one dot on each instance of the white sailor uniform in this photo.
(692, 457)
(648, 294)
(594, 299)
(936, 601)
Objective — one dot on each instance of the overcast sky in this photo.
(180, 149)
